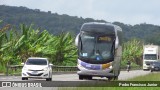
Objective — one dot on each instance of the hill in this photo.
(56, 23)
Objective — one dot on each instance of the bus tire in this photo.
(110, 78)
(89, 77)
(115, 77)
(81, 77)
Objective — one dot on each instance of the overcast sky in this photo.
(125, 11)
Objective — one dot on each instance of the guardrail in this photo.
(16, 69)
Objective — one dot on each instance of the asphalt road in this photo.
(74, 77)
(70, 77)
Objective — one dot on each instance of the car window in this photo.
(36, 62)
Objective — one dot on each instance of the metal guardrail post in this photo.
(7, 72)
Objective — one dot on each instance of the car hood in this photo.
(35, 67)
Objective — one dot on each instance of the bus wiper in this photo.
(81, 45)
(113, 47)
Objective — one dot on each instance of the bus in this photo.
(150, 54)
(99, 50)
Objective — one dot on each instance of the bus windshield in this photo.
(96, 48)
(150, 57)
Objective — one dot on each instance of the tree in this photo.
(132, 50)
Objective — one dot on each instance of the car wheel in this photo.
(24, 78)
(48, 79)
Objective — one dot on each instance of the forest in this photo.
(55, 23)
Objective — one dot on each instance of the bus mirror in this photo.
(116, 43)
(76, 40)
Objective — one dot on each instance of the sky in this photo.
(126, 11)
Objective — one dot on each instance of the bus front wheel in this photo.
(81, 77)
(112, 78)
(89, 77)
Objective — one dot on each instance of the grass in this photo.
(109, 88)
(149, 77)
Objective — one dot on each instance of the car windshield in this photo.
(150, 57)
(36, 62)
(96, 47)
(156, 63)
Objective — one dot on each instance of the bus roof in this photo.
(96, 27)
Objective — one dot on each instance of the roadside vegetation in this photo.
(109, 88)
(149, 77)
(132, 51)
(16, 45)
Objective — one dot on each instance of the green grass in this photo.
(109, 88)
(149, 77)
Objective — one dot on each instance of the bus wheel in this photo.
(115, 77)
(89, 77)
(110, 78)
(81, 77)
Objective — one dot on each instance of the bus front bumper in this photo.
(99, 73)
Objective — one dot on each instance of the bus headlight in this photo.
(107, 65)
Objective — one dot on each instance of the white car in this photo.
(37, 68)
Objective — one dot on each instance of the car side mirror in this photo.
(50, 64)
(22, 64)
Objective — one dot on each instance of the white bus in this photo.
(99, 50)
(150, 55)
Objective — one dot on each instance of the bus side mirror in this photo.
(76, 40)
(116, 43)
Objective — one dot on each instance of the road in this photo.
(74, 77)
(71, 77)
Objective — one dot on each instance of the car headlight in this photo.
(25, 68)
(152, 66)
(45, 69)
